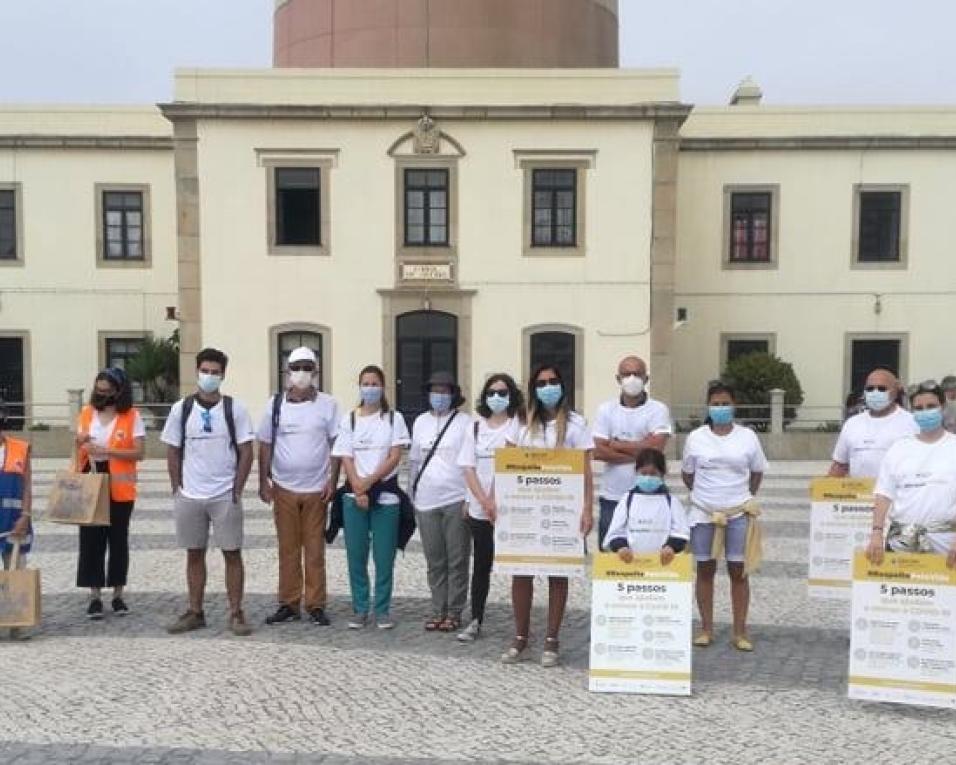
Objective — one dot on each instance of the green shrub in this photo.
(753, 376)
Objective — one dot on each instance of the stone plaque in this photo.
(426, 272)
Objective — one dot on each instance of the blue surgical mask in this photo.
(721, 415)
(876, 400)
(498, 404)
(928, 419)
(208, 383)
(648, 484)
(549, 395)
(439, 402)
(370, 394)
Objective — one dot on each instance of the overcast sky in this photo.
(800, 51)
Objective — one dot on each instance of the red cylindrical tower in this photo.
(446, 33)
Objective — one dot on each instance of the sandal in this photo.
(703, 639)
(550, 657)
(517, 652)
(449, 624)
(433, 623)
(742, 643)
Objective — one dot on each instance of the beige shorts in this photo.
(194, 517)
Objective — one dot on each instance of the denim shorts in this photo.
(735, 543)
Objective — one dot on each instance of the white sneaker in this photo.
(384, 622)
(471, 632)
(358, 621)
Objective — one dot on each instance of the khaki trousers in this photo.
(300, 528)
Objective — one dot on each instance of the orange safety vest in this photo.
(16, 459)
(122, 472)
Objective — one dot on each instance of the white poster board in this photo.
(641, 625)
(841, 515)
(540, 496)
(903, 630)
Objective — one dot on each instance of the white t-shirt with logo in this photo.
(209, 463)
(369, 443)
(577, 435)
(649, 521)
(442, 482)
(301, 450)
(920, 480)
(479, 453)
(627, 423)
(721, 466)
(100, 434)
(865, 439)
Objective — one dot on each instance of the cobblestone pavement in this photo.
(122, 690)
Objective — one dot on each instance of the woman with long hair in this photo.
(110, 438)
(500, 405)
(370, 442)
(551, 424)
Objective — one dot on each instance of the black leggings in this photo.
(94, 541)
(483, 538)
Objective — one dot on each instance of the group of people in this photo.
(306, 444)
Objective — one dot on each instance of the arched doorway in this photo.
(426, 342)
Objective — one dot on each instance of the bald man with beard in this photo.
(866, 437)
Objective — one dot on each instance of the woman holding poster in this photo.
(723, 466)
(551, 424)
(916, 488)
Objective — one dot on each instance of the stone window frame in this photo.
(890, 265)
(727, 337)
(17, 188)
(426, 253)
(848, 337)
(324, 162)
(325, 363)
(527, 161)
(579, 351)
(103, 337)
(100, 190)
(729, 190)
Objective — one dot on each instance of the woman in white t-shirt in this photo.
(500, 406)
(916, 488)
(370, 442)
(551, 424)
(723, 467)
(438, 488)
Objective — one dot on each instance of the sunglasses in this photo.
(546, 382)
(927, 386)
(301, 368)
(206, 420)
(880, 388)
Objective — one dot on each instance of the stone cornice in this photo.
(130, 142)
(823, 142)
(666, 110)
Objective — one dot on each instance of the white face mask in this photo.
(208, 383)
(301, 379)
(632, 385)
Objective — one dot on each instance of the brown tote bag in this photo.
(19, 594)
(82, 499)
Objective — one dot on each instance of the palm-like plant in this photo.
(156, 367)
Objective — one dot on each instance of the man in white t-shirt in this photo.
(298, 476)
(866, 437)
(623, 426)
(209, 456)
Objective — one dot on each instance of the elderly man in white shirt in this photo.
(866, 437)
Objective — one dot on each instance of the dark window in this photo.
(288, 342)
(8, 225)
(427, 342)
(426, 208)
(298, 210)
(119, 350)
(750, 227)
(880, 226)
(558, 349)
(12, 380)
(123, 225)
(738, 348)
(867, 355)
(554, 208)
